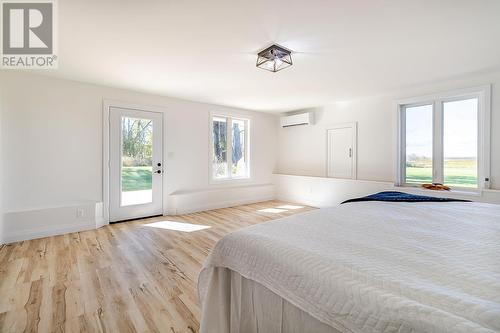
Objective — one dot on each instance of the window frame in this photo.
(483, 95)
(229, 119)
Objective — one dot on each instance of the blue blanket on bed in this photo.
(394, 196)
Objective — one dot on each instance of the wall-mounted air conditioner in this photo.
(306, 118)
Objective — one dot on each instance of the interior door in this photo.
(136, 164)
(341, 152)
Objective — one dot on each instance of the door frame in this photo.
(107, 104)
(354, 126)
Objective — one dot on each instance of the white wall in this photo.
(1, 173)
(324, 192)
(302, 149)
(52, 141)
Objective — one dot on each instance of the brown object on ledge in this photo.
(436, 187)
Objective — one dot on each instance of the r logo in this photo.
(27, 28)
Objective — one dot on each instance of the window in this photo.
(445, 139)
(229, 147)
(419, 144)
(460, 146)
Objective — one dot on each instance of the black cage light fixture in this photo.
(274, 58)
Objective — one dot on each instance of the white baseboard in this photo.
(222, 197)
(2, 240)
(50, 221)
(229, 203)
(44, 222)
(35, 233)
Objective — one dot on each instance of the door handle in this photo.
(350, 152)
(158, 172)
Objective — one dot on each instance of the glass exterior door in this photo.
(136, 164)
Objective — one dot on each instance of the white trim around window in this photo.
(483, 96)
(230, 177)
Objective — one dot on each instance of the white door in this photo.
(341, 152)
(136, 164)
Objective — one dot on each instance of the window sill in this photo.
(229, 181)
(460, 192)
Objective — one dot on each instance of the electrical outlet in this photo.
(79, 212)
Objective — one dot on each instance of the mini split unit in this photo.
(306, 118)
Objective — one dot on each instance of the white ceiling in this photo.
(206, 50)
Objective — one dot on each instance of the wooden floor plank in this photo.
(125, 277)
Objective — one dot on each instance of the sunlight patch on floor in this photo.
(272, 210)
(177, 226)
(290, 207)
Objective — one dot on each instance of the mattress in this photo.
(371, 266)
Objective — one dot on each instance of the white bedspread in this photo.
(377, 266)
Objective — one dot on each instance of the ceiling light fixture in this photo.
(274, 58)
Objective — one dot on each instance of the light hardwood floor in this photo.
(125, 277)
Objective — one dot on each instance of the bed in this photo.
(366, 266)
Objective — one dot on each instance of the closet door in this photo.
(341, 142)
